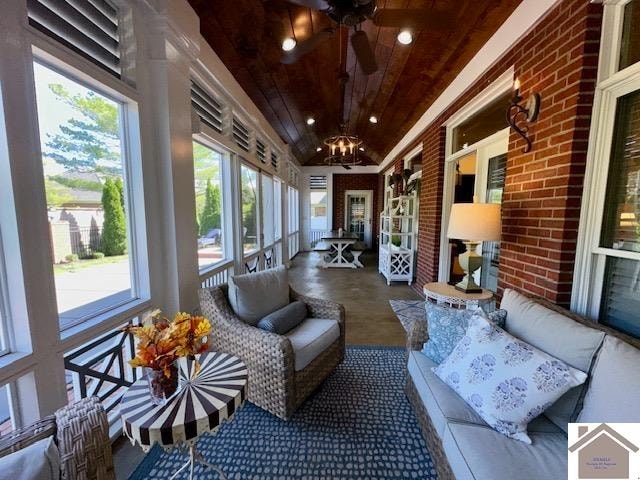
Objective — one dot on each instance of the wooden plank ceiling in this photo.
(247, 36)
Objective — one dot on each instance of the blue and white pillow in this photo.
(446, 327)
(505, 380)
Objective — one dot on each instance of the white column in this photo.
(172, 44)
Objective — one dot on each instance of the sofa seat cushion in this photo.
(476, 452)
(616, 370)
(312, 337)
(441, 402)
(559, 336)
(255, 295)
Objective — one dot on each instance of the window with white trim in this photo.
(249, 206)
(277, 208)
(84, 157)
(210, 215)
(607, 279)
(4, 310)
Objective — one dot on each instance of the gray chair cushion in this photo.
(440, 400)
(255, 295)
(284, 319)
(614, 391)
(476, 452)
(38, 461)
(557, 335)
(311, 338)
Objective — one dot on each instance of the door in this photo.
(477, 173)
(358, 218)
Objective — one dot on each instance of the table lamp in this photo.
(473, 223)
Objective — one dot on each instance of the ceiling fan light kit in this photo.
(289, 44)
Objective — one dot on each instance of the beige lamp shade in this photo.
(475, 221)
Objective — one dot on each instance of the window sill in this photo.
(103, 322)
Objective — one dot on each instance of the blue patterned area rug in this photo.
(359, 424)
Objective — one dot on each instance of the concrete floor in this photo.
(370, 320)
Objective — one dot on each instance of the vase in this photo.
(161, 386)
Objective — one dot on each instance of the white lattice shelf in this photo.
(397, 239)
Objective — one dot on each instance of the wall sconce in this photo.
(516, 113)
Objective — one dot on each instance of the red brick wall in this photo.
(541, 208)
(355, 181)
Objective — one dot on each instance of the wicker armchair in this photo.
(274, 385)
(81, 432)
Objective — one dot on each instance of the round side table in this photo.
(204, 400)
(443, 293)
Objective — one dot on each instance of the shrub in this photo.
(114, 230)
(72, 257)
(97, 255)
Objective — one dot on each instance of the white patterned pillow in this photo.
(505, 380)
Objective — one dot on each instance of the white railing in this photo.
(315, 236)
(294, 244)
(216, 275)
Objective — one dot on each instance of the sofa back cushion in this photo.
(557, 335)
(614, 390)
(38, 461)
(256, 295)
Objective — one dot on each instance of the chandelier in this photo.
(343, 150)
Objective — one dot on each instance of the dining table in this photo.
(337, 246)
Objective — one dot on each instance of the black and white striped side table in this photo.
(204, 400)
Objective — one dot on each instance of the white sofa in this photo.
(464, 447)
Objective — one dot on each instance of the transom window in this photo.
(86, 191)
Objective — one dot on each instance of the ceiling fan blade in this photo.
(412, 18)
(314, 4)
(364, 53)
(305, 47)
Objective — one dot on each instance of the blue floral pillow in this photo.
(446, 327)
(505, 380)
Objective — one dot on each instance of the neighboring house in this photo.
(603, 453)
(81, 203)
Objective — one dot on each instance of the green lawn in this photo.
(74, 266)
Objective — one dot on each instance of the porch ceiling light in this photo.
(289, 44)
(405, 37)
(519, 116)
(311, 121)
(373, 119)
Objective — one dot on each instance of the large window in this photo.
(277, 209)
(294, 221)
(607, 280)
(249, 207)
(209, 205)
(267, 210)
(318, 202)
(87, 207)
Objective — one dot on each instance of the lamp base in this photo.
(469, 261)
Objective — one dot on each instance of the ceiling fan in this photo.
(352, 13)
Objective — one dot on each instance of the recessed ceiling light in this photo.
(289, 44)
(361, 149)
(405, 37)
(373, 119)
(311, 121)
(318, 149)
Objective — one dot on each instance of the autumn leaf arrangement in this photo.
(162, 341)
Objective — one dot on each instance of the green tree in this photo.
(210, 215)
(114, 230)
(90, 142)
(120, 187)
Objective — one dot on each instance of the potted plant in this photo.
(161, 342)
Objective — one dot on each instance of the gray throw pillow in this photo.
(38, 461)
(283, 320)
(255, 295)
(446, 327)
